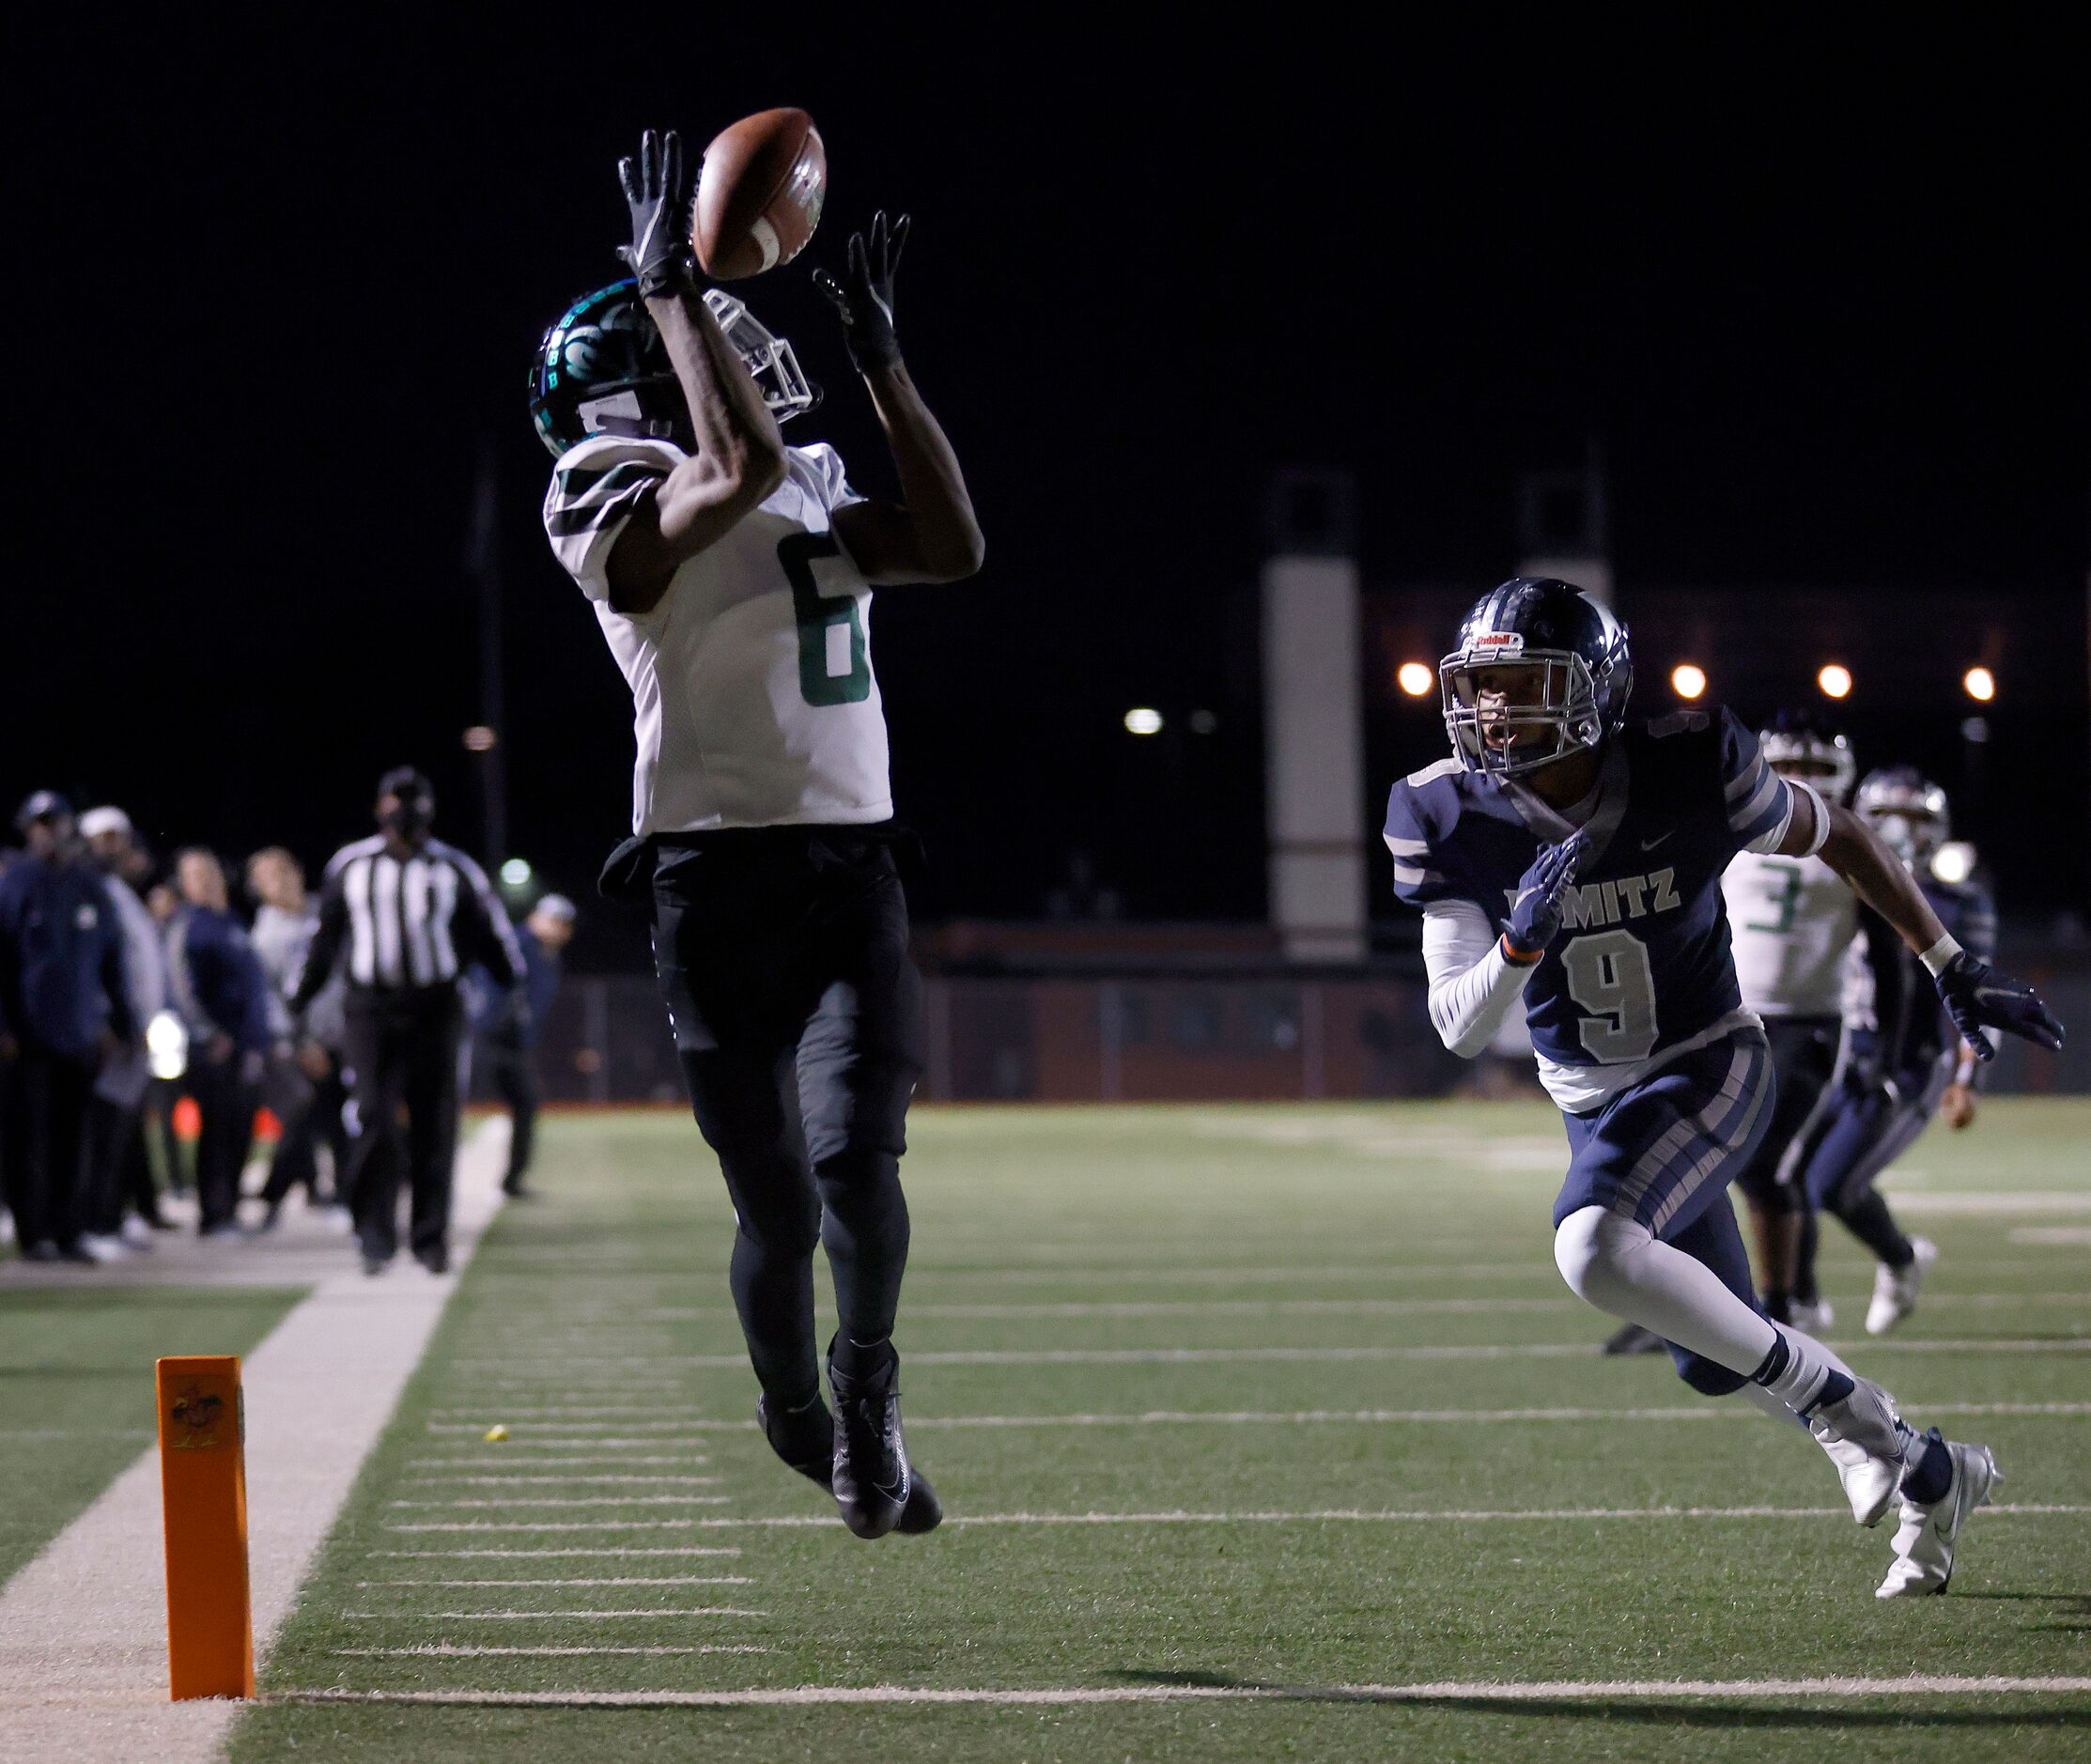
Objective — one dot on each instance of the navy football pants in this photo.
(1664, 1153)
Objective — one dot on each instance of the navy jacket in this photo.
(61, 959)
(513, 1018)
(218, 979)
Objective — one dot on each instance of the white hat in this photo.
(106, 819)
(555, 906)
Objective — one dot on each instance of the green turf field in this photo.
(1315, 1364)
(76, 1365)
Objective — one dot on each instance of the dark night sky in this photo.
(1820, 297)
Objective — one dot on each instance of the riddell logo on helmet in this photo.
(1501, 643)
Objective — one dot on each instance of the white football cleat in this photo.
(1869, 1482)
(1894, 1291)
(1810, 1320)
(1865, 1417)
(1923, 1540)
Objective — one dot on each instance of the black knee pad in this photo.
(1706, 1378)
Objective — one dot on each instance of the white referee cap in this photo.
(106, 819)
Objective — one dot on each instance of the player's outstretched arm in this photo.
(932, 534)
(739, 460)
(1975, 994)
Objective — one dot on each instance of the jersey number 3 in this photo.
(833, 665)
(1608, 975)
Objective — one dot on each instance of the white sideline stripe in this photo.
(572, 1551)
(445, 1651)
(577, 1500)
(532, 1617)
(2002, 1201)
(83, 1626)
(611, 1412)
(684, 1429)
(621, 1579)
(1488, 1690)
(1242, 1417)
(512, 1480)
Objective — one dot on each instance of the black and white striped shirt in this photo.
(406, 927)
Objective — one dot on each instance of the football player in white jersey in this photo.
(732, 576)
(1790, 922)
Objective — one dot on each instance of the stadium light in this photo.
(480, 739)
(1686, 680)
(516, 872)
(1953, 861)
(1979, 684)
(1415, 678)
(1835, 680)
(1143, 721)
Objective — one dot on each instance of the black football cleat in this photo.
(874, 1486)
(803, 1437)
(1634, 1339)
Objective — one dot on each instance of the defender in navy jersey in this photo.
(1902, 1061)
(1569, 858)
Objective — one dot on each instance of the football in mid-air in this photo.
(759, 194)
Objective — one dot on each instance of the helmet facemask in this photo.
(768, 358)
(1552, 712)
(1826, 761)
(1909, 813)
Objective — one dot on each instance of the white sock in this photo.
(1777, 1407)
(1623, 1267)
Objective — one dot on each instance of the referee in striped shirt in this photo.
(405, 915)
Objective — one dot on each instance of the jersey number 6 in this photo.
(1608, 975)
(833, 665)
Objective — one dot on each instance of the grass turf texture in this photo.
(1205, 1229)
(77, 1366)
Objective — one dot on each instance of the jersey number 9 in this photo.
(1608, 975)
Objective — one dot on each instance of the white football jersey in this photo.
(1791, 920)
(755, 703)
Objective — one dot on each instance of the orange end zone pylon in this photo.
(203, 1482)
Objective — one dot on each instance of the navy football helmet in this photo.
(1574, 653)
(1908, 810)
(1799, 742)
(602, 369)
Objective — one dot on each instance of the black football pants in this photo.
(225, 1135)
(46, 1167)
(782, 956)
(404, 1056)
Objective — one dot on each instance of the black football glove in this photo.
(865, 297)
(1977, 997)
(659, 197)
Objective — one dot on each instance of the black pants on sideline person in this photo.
(45, 1159)
(783, 959)
(512, 1071)
(317, 1121)
(404, 1056)
(119, 1172)
(225, 1102)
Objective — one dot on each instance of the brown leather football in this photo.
(759, 194)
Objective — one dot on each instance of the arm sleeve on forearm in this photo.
(1472, 985)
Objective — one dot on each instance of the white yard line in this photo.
(443, 1650)
(2070, 1235)
(1413, 1515)
(487, 1460)
(1462, 1690)
(511, 1503)
(512, 1480)
(620, 1580)
(83, 1626)
(1246, 1417)
(536, 1616)
(571, 1551)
